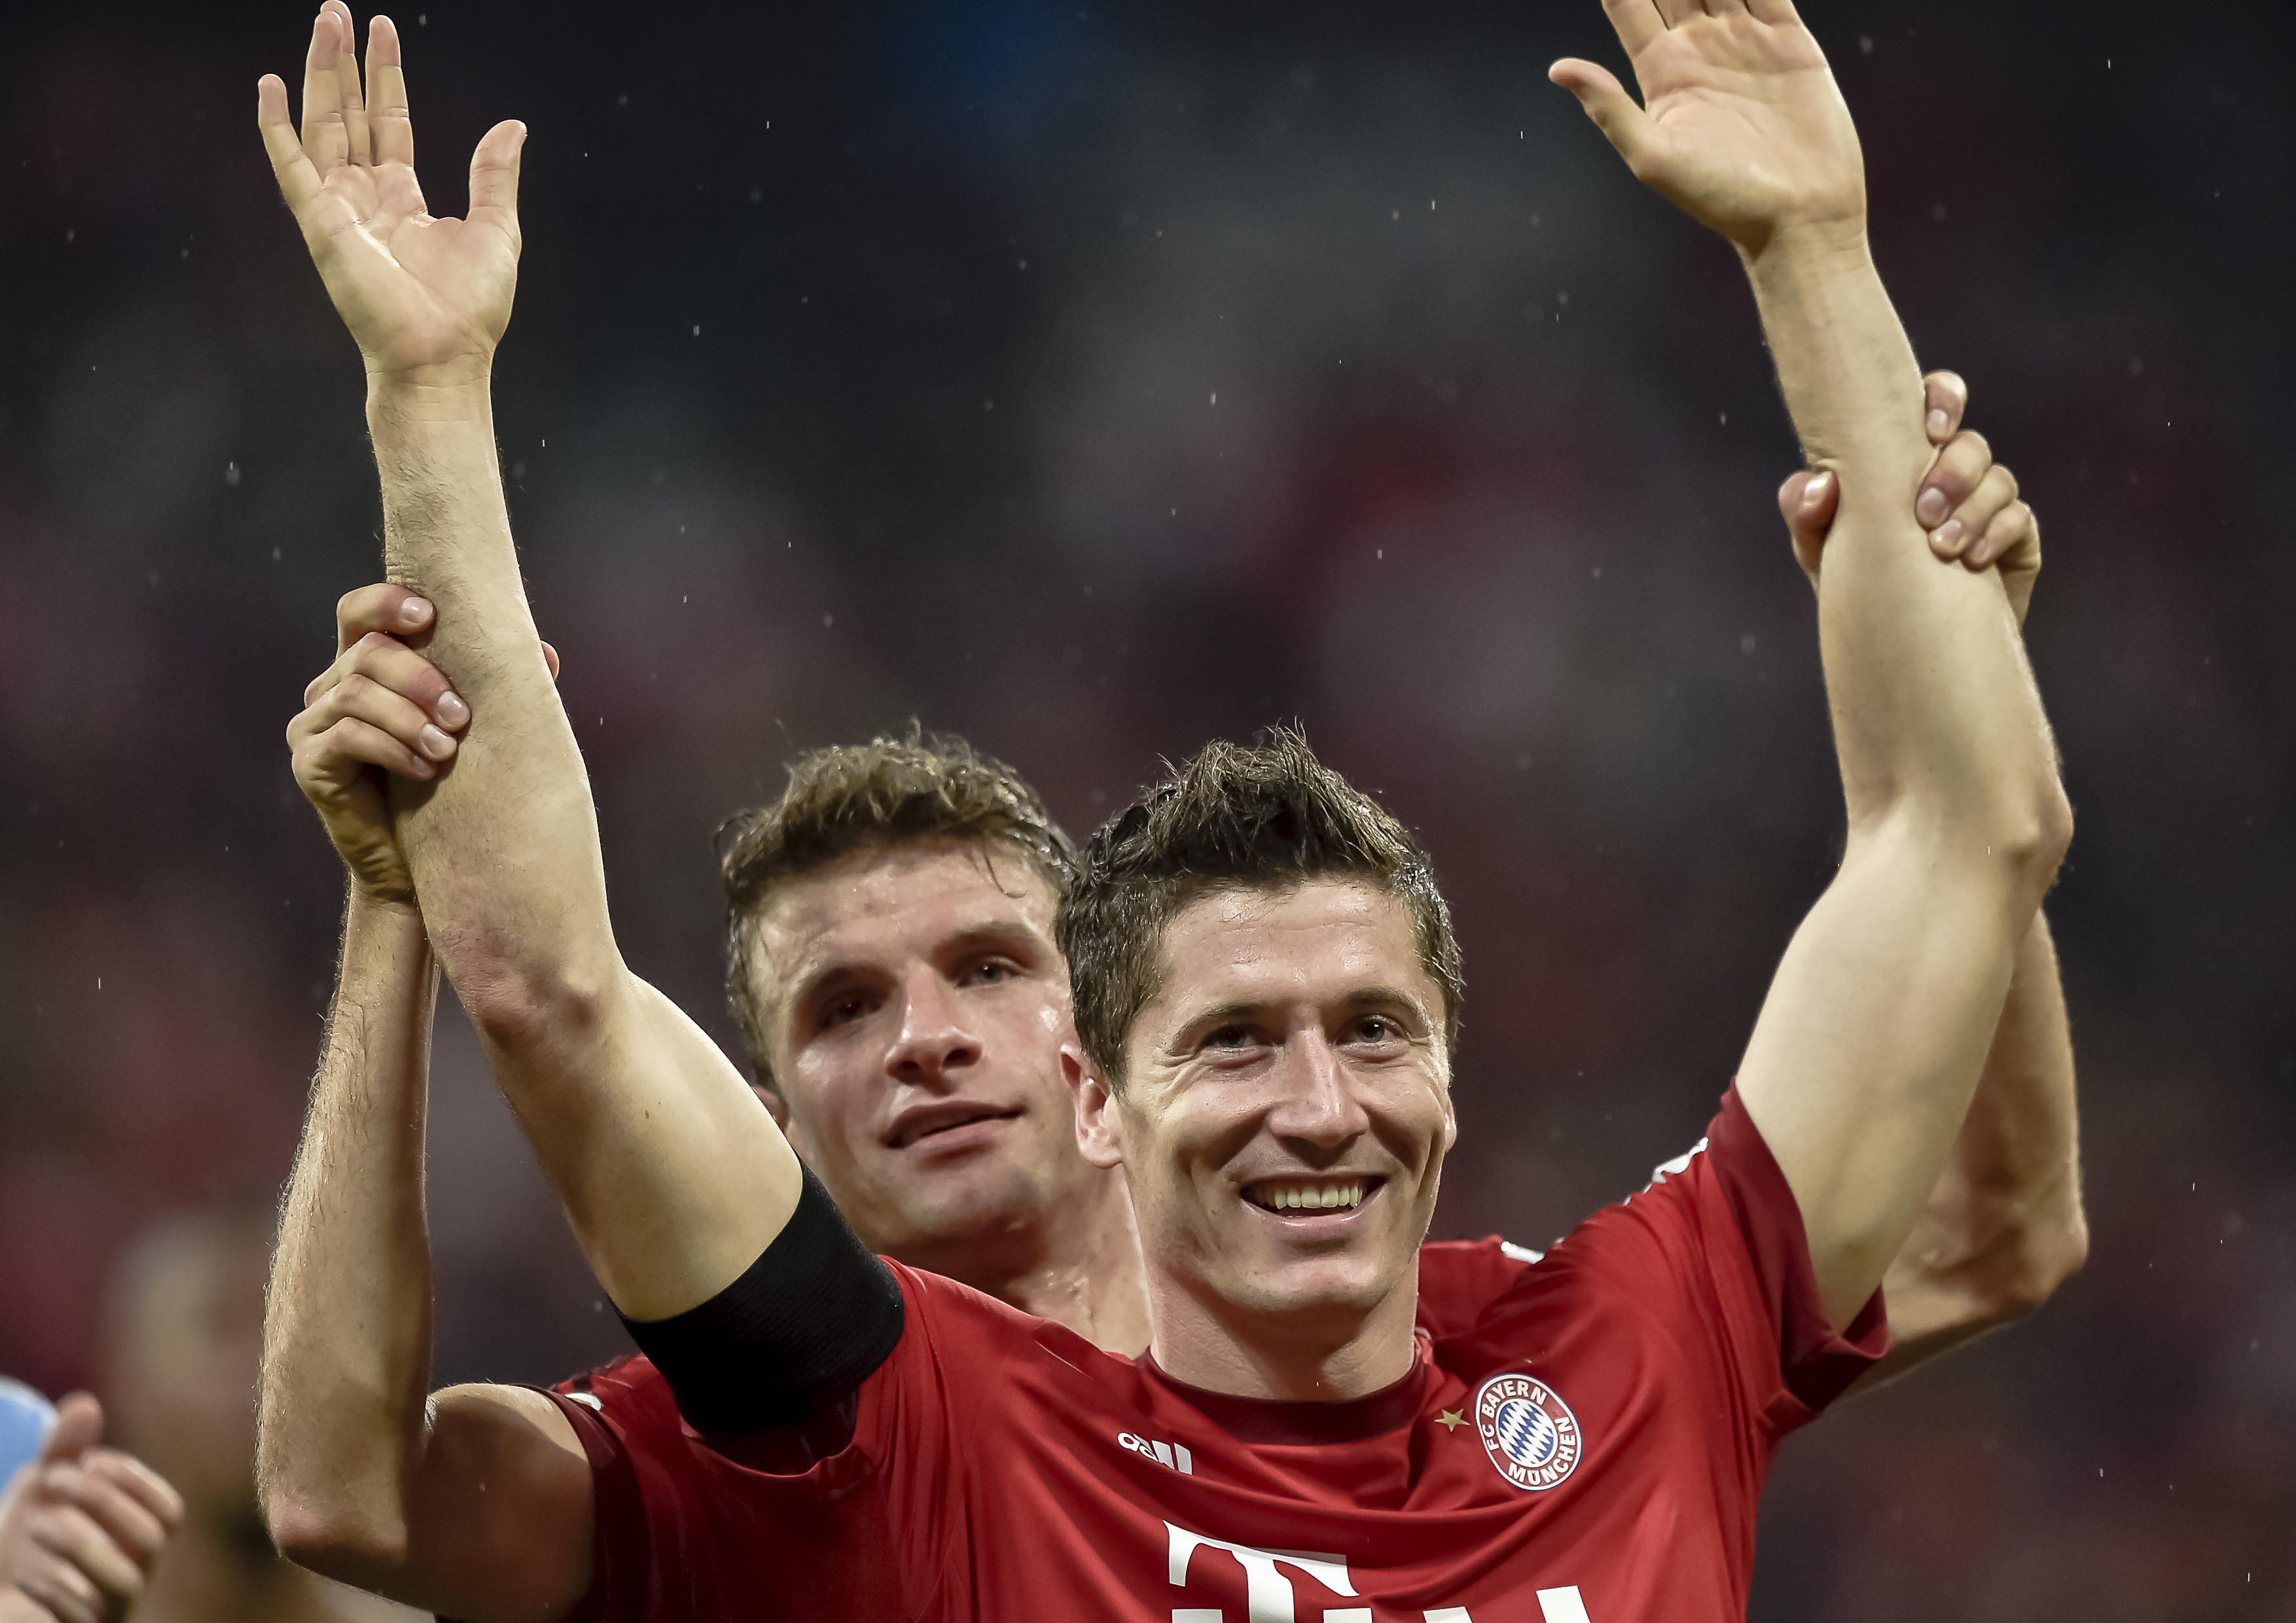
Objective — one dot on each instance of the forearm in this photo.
(347, 1328)
(2004, 1226)
(674, 1175)
(1934, 710)
(504, 847)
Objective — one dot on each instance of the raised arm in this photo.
(1862, 1064)
(2004, 1226)
(476, 1503)
(674, 1175)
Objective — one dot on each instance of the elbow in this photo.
(2028, 1268)
(521, 1006)
(2036, 833)
(2050, 1257)
(334, 1540)
(2051, 826)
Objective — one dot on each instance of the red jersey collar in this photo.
(1260, 1420)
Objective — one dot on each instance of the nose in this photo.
(1317, 1105)
(933, 1039)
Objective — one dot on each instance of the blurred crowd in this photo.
(1092, 381)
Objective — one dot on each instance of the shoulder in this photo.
(1459, 1280)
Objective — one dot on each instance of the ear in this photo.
(1099, 1123)
(776, 1105)
(1450, 1121)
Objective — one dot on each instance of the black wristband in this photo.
(808, 1322)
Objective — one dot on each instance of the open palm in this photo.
(427, 298)
(1741, 125)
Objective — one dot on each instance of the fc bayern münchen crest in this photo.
(1529, 1433)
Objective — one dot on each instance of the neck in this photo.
(1323, 1356)
(1079, 1267)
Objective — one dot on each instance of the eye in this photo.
(844, 1009)
(1376, 1028)
(1228, 1037)
(991, 972)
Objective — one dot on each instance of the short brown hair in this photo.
(853, 797)
(1269, 816)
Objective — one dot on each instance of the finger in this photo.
(409, 675)
(72, 1535)
(1992, 504)
(290, 165)
(364, 699)
(550, 658)
(494, 177)
(385, 607)
(1946, 398)
(337, 754)
(1959, 536)
(79, 1423)
(132, 1476)
(1808, 499)
(1952, 476)
(1623, 123)
(392, 125)
(1725, 8)
(133, 1530)
(326, 136)
(1637, 22)
(1995, 491)
(69, 1595)
(354, 95)
(1677, 12)
(1780, 12)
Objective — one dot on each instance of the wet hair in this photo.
(1269, 816)
(853, 797)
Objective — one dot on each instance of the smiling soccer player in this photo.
(1290, 1026)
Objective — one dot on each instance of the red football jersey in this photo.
(1581, 1440)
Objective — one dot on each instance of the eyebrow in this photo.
(992, 932)
(1361, 998)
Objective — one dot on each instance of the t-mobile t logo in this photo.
(1268, 1596)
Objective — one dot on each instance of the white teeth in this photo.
(1322, 1198)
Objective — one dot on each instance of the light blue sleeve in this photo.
(25, 1417)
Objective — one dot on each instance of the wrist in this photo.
(451, 392)
(387, 906)
(1801, 248)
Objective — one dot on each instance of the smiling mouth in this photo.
(1312, 1196)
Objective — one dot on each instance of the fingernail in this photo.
(1930, 507)
(1938, 421)
(414, 612)
(451, 708)
(436, 745)
(1950, 533)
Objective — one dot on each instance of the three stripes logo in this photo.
(1530, 1434)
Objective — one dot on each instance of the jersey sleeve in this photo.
(849, 1515)
(1712, 1255)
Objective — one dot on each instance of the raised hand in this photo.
(427, 298)
(1742, 124)
(380, 708)
(1968, 503)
